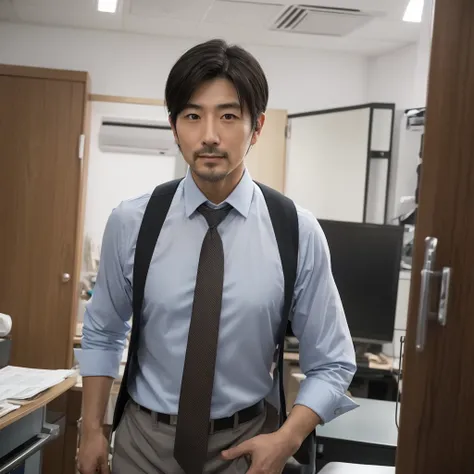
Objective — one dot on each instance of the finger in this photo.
(83, 470)
(104, 468)
(237, 451)
(88, 471)
(87, 468)
(253, 469)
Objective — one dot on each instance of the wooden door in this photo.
(266, 161)
(437, 415)
(41, 181)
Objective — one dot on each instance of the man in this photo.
(217, 245)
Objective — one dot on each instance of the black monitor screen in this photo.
(365, 262)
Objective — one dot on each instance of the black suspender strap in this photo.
(153, 219)
(285, 225)
(284, 219)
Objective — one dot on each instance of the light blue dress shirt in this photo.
(251, 307)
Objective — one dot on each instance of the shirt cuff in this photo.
(98, 363)
(323, 399)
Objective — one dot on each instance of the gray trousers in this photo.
(143, 445)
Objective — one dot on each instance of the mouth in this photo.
(211, 157)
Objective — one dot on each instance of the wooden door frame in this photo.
(124, 100)
(81, 209)
(44, 73)
(83, 78)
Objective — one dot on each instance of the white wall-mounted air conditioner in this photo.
(136, 136)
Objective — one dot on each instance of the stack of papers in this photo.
(21, 383)
(6, 408)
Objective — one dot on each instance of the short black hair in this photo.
(211, 60)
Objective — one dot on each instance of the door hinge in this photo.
(288, 131)
(82, 144)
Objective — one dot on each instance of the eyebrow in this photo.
(228, 105)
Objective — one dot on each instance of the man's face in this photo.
(213, 132)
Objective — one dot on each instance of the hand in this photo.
(93, 454)
(269, 452)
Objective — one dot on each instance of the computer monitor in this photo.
(365, 260)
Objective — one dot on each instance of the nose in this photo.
(211, 134)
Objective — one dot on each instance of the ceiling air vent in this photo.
(319, 20)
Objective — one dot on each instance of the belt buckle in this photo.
(173, 420)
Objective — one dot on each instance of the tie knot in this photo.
(214, 216)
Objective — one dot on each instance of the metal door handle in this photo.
(48, 434)
(424, 310)
(65, 277)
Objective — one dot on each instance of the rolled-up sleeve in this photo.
(327, 355)
(107, 315)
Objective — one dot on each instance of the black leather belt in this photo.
(220, 424)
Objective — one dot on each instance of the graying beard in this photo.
(211, 178)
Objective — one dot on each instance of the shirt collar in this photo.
(240, 198)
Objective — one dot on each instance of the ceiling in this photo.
(376, 29)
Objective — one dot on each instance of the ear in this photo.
(258, 129)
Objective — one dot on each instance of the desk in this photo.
(343, 468)
(366, 435)
(26, 432)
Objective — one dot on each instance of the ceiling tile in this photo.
(187, 10)
(49, 5)
(320, 22)
(243, 14)
(192, 33)
(160, 26)
(368, 5)
(384, 29)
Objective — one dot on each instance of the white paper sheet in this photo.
(6, 408)
(21, 383)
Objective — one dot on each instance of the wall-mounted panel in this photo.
(327, 158)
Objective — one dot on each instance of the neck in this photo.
(218, 191)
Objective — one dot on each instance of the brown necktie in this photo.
(192, 430)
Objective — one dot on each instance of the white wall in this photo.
(424, 53)
(391, 77)
(401, 76)
(114, 177)
(137, 65)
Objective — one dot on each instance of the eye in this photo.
(229, 116)
(192, 117)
